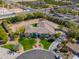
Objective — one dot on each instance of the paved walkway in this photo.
(38, 45)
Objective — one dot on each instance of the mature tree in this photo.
(57, 35)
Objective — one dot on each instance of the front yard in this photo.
(45, 43)
(27, 43)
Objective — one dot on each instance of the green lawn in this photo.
(45, 43)
(3, 35)
(9, 46)
(27, 43)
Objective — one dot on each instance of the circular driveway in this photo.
(37, 54)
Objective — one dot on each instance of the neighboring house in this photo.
(74, 48)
